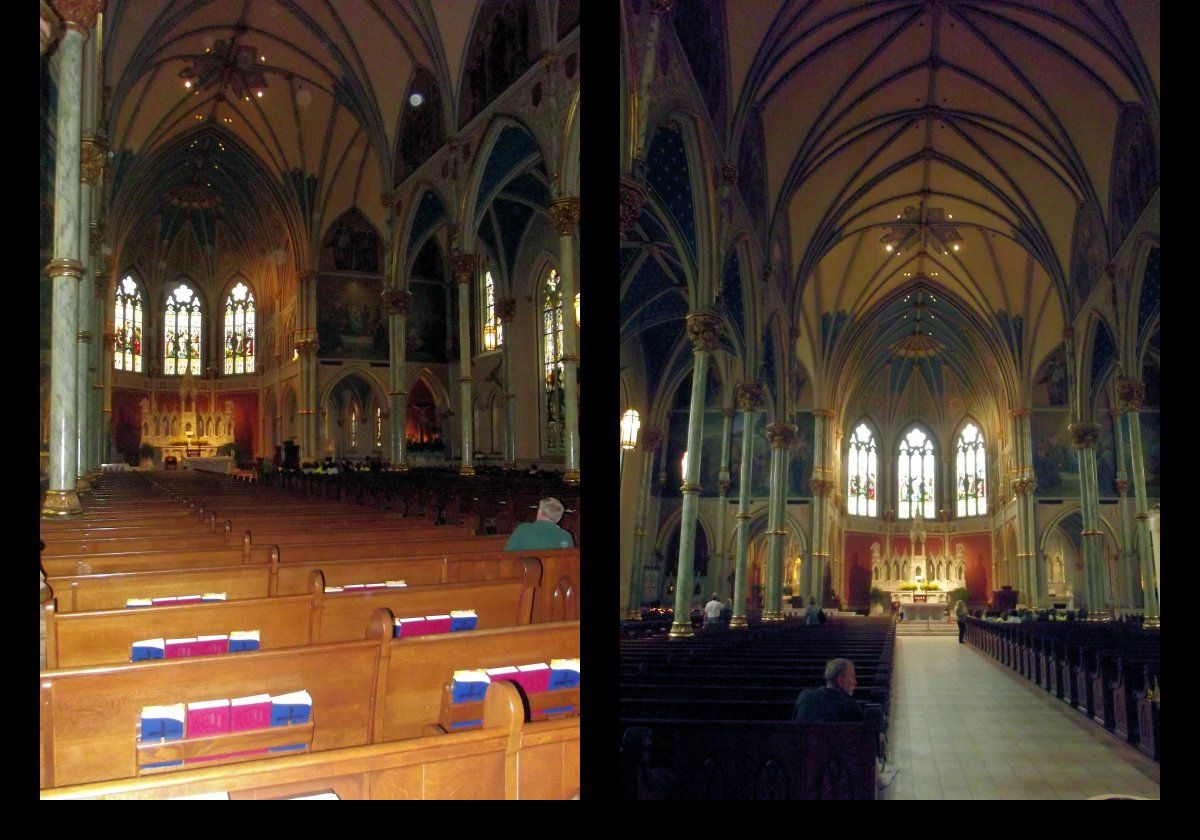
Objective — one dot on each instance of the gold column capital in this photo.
(633, 196)
(83, 337)
(1084, 435)
(1122, 485)
(827, 413)
(704, 329)
(821, 486)
(78, 14)
(1130, 393)
(723, 486)
(462, 266)
(729, 174)
(506, 309)
(781, 435)
(750, 396)
(1018, 413)
(396, 301)
(93, 154)
(565, 213)
(308, 347)
(64, 267)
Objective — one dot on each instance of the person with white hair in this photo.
(543, 532)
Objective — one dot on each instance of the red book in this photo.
(178, 648)
(253, 712)
(406, 628)
(533, 678)
(208, 717)
(188, 599)
(210, 645)
(437, 624)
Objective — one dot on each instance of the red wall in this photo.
(127, 417)
(977, 552)
(126, 422)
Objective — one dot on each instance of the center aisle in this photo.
(964, 727)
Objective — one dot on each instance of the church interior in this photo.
(889, 342)
(311, 276)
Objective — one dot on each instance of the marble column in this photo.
(106, 371)
(1130, 394)
(92, 156)
(704, 329)
(565, 212)
(780, 437)
(719, 575)
(750, 397)
(97, 356)
(463, 266)
(1084, 436)
(506, 311)
(822, 488)
(395, 305)
(66, 269)
(307, 346)
(1129, 559)
(651, 440)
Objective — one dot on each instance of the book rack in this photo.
(544, 705)
(225, 748)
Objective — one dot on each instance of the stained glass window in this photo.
(181, 333)
(127, 323)
(354, 429)
(378, 427)
(493, 330)
(239, 330)
(916, 471)
(862, 469)
(552, 366)
(971, 473)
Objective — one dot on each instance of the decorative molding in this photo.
(565, 213)
(396, 301)
(78, 13)
(1084, 435)
(704, 329)
(1130, 393)
(93, 155)
(64, 267)
(781, 435)
(633, 196)
(462, 266)
(750, 396)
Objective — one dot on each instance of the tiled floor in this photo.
(965, 727)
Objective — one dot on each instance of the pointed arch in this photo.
(183, 311)
(130, 323)
(352, 243)
(239, 322)
(862, 468)
(970, 469)
(504, 40)
(916, 472)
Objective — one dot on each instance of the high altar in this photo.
(189, 435)
(892, 572)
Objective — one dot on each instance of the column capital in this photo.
(662, 8)
(1017, 413)
(731, 412)
(723, 486)
(78, 14)
(506, 309)
(93, 155)
(396, 301)
(308, 347)
(565, 213)
(1024, 486)
(750, 396)
(781, 435)
(463, 267)
(1130, 393)
(63, 267)
(704, 329)
(729, 174)
(821, 486)
(1068, 333)
(1084, 435)
(633, 196)
(651, 440)
(1122, 485)
(827, 413)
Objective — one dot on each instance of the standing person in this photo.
(712, 611)
(812, 615)
(543, 532)
(960, 614)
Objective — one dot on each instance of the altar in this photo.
(933, 609)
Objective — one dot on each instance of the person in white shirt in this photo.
(712, 611)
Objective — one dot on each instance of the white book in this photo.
(182, 641)
(565, 664)
(536, 666)
(150, 643)
(162, 602)
(207, 704)
(326, 795)
(472, 676)
(242, 635)
(138, 602)
(493, 673)
(435, 617)
(335, 589)
(462, 613)
(409, 620)
(294, 698)
(214, 638)
(395, 584)
(213, 596)
(252, 700)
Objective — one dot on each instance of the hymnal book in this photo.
(162, 723)
(506, 672)
(354, 586)
(533, 678)
(470, 686)
(179, 648)
(329, 589)
(375, 586)
(463, 620)
(184, 599)
(213, 596)
(395, 584)
(207, 717)
(291, 708)
(437, 624)
(147, 649)
(138, 602)
(168, 601)
(564, 673)
(240, 640)
(210, 645)
(406, 628)
(253, 712)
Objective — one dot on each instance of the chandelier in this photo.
(929, 227)
(227, 64)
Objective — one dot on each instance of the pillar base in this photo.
(466, 470)
(82, 484)
(400, 468)
(681, 630)
(1152, 621)
(571, 476)
(61, 503)
(771, 617)
(738, 622)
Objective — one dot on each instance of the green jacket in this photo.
(539, 534)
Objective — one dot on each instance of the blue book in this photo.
(564, 673)
(148, 649)
(470, 686)
(162, 723)
(463, 620)
(240, 640)
(292, 708)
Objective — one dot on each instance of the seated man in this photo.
(832, 703)
(543, 532)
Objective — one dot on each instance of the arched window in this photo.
(127, 322)
(971, 473)
(239, 330)
(378, 427)
(493, 330)
(181, 333)
(353, 427)
(915, 474)
(552, 366)
(862, 470)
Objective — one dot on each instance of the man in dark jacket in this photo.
(832, 703)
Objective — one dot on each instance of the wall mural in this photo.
(503, 44)
(1050, 382)
(1055, 461)
(1088, 254)
(350, 320)
(425, 324)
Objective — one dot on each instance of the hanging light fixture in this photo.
(577, 309)
(683, 466)
(630, 423)
(489, 337)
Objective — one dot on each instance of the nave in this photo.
(962, 726)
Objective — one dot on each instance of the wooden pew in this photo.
(507, 759)
(106, 636)
(363, 692)
(135, 561)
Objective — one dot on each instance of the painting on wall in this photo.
(350, 320)
(1106, 456)
(1150, 451)
(1050, 382)
(710, 462)
(425, 324)
(800, 458)
(1055, 461)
